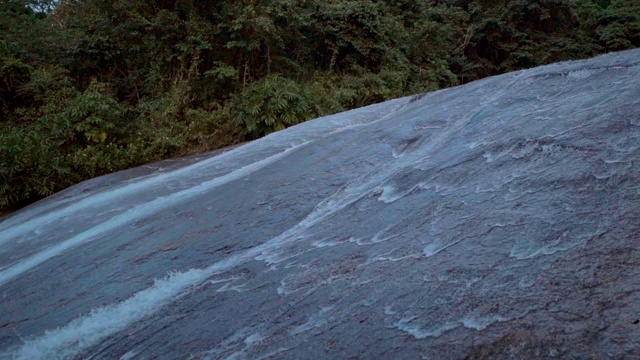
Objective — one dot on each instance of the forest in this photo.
(90, 87)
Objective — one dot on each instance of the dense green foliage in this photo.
(89, 87)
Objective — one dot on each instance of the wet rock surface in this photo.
(496, 220)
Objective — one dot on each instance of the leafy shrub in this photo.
(13, 74)
(85, 139)
(93, 117)
(270, 104)
(90, 87)
(31, 167)
(208, 130)
(333, 93)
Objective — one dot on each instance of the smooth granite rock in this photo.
(495, 220)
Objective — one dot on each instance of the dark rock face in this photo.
(496, 220)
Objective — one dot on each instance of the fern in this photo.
(271, 104)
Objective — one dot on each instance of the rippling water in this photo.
(498, 218)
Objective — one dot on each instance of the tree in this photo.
(13, 74)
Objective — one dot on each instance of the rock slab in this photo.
(497, 220)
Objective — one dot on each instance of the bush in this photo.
(31, 167)
(13, 74)
(87, 138)
(270, 104)
(92, 118)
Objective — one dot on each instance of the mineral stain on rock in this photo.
(495, 220)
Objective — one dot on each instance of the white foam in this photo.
(254, 339)
(87, 330)
(584, 73)
(437, 188)
(405, 324)
(228, 287)
(136, 213)
(391, 194)
(378, 238)
(102, 322)
(477, 323)
(314, 321)
(543, 251)
(481, 323)
(399, 258)
(282, 289)
(435, 248)
(232, 342)
(386, 257)
(388, 310)
(279, 255)
(526, 250)
(129, 355)
(105, 321)
(272, 354)
(396, 153)
(16, 226)
(309, 131)
(328, 243)
(218, 281)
